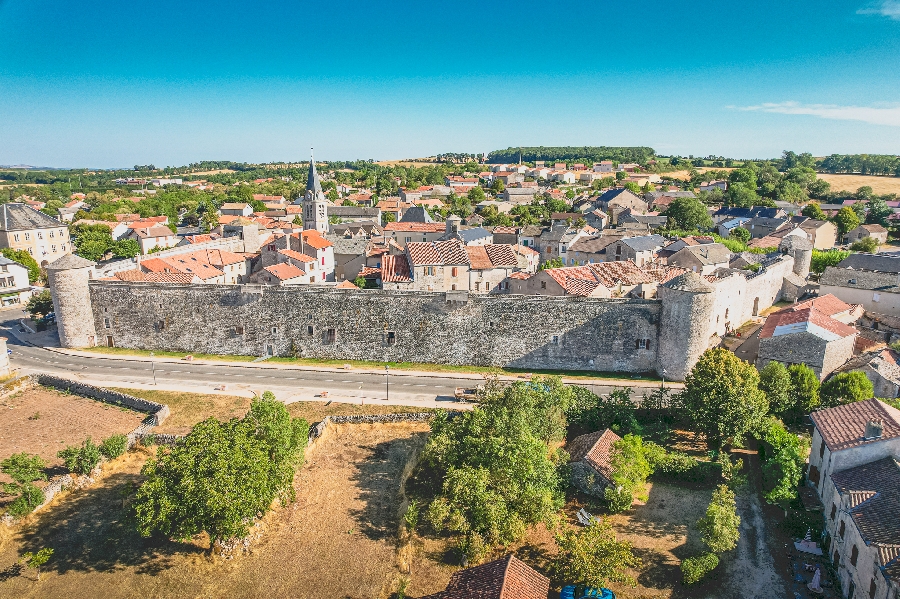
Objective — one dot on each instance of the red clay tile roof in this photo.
(595, 449)
(284, 271)
(395, 269)
(478, 257)
(505, 578)
(192, 264)
(416, 227)
(423, 253)
(199, 238)
(452, 251)
(296, 255)
(826, 304)
(842, 427)
(502, 254)
(367, 271)
(316, 241)
(506, 230)
(216, 257)
(520, 275)
(784, 318)
(154, 265)
(345, 285)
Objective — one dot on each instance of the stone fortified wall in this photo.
(564, 333)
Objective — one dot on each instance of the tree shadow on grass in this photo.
(379, 476)
(90, 532)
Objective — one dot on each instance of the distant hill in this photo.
(639, 155)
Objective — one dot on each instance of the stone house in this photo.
(489, 267)
(504, 578)
(761, 226)
(604, 279)
(235, 209)
(281, 275)
(42, 236)
(404, 233)
(311, 243)
(152, 236)
(437, 266)
(353, 214)
(871, 280)
(703, 259)
(348, 251)
(878, 232)
(505, 235)
(590, 461)
(640, 250)
(810, 333)
(530, 236)
(881, 367)
(591, 250)
(555, 241)
(617, 200)
(853, 468)
(822, 233)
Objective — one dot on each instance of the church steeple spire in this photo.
(315, 206)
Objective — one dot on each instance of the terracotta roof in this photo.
(152, 231)
(200, 238)
(808, 320)
(233, 206)
(192, 264)
(520, 275)
(478, 257)
(394, 269)
(154, 265)
(316, 241)
(842, 427)
(421, 252)
(502, 254)
(367, 271)
(416, 227)
(284, 271)
(506, 230)
(295, 255)
(345, 285)
(215, 257)
(595, 449)
(826, 304)
(505, 578)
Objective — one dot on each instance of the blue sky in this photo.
(104, 84)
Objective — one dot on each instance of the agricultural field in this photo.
(879, 185)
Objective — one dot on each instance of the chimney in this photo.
(874, 429)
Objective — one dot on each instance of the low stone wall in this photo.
(316, 430)
(158, 411)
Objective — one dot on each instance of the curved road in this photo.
(289, 383)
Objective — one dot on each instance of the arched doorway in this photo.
(756, 307)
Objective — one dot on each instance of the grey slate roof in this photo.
(645, 243)
(21, 217)
(708, 253)
(416, 214)
(470, 235)
(593, 245)
(618, 194)
(70, 261)
(355, 246)
(652, 196)
(872, 262)
(860, 279)
(353, 211)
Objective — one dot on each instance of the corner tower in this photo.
(688, 305)
(315, 206)
(68, 279)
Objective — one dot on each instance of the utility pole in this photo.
(387, 381)
(153, 368)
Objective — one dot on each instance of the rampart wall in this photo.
(565, 333)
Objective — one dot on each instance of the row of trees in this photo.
(584, 154)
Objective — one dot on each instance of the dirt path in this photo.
(750, 572)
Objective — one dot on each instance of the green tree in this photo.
(869, 245)
(720, 527)
(846, 387)
(476, 194)
(297, 221)
(26, 260)
(630, 470)
(23, 468)
(813, 210)
(697, 567)
(688, 214)
(222, 474)
(210, 219)
(40, 304)
(388, 217)
(722, 396)
(36, 560)
(775, 382)
(497, 186)
(552, 263)
(92, 241)
(81, 460)
(741, 196)
(846, 220)
(740, 233)
(804, 395)
(823, 259)
(592, 556)
(878, 212)
(496, 472)
(632, 187)
(784, 457)
(126, 248)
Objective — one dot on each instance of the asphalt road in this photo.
(288, 383)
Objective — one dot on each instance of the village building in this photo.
(861, 232)
(590, 461)
(640, 250)
(235, 209)
(42, 236)
(489, 267)
(854, 469)
(151, 236)
(871, 280)
(881, 367)
(815, 332)
(14, 285)
(702, 259)
(505, 578)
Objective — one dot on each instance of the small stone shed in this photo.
(590, 457)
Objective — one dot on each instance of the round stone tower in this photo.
(800, 249)
(68, 279)
(688, 308)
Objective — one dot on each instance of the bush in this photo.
(845, 387)
(825, 258)
(81, 460)
(24, 504)
(868, 245)
(695, 568)
(720, 527)
(113, 447)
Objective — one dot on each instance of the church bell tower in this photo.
(315, 206)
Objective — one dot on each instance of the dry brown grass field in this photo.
(880, 185)
(338, 539)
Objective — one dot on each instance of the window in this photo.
(238, 330)
(543, 284)
(309, 330)
(40, 235)
(554, 340)
(453, 287)
(106, 322)
(330, 335)
(477, 286)
(843, 529)
(429, 270)
(16, 237)
(51, 234)
(833, 511)
(618, 250)
(62, 233)
(274, 330)
(822, 449)
(408, 239)
(30, 251)
(454, 272)
(391, 338)
(854, 555)
(53, 248)
(27, 236)
(641, 344)
(62, 247)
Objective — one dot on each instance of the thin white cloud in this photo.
(884, 8)
(889, 116)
